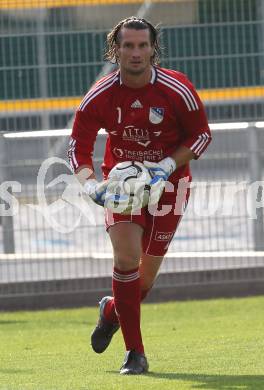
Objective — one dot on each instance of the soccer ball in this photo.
(129, 180)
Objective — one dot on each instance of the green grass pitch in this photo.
(213, 344)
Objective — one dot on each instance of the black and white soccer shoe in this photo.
(104, 330)
(135, 363)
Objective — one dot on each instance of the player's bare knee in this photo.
(126, 260)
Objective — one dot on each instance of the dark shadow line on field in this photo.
(215, 382)
(11, 322)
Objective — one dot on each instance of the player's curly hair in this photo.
(133, 22)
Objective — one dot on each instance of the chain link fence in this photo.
(52, 242)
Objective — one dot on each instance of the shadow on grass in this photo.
(215, 382)
(11, 322)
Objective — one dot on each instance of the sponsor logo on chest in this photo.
(141, 136)
(132, 133)
(139, 155)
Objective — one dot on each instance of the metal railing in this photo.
(222, 229)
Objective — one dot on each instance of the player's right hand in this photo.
(96, 190)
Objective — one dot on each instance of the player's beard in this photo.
(136, 72)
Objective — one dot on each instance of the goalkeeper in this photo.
(152, 115)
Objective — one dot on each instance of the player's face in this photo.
(135, 51)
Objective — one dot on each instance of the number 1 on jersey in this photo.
(119, 114)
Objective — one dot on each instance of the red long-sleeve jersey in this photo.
(147, 123)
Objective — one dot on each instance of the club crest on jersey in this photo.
(156, 115)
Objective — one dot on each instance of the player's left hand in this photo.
(160, 172)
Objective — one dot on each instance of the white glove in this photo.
(106, 194)
(159, 172)
(96, 190)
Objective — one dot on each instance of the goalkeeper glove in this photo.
(159, 172)
(96, 190)
(105, 194)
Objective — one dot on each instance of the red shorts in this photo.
(160, 221)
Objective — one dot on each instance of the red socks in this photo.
(109, 312)
(109, 309)
(127, 296)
